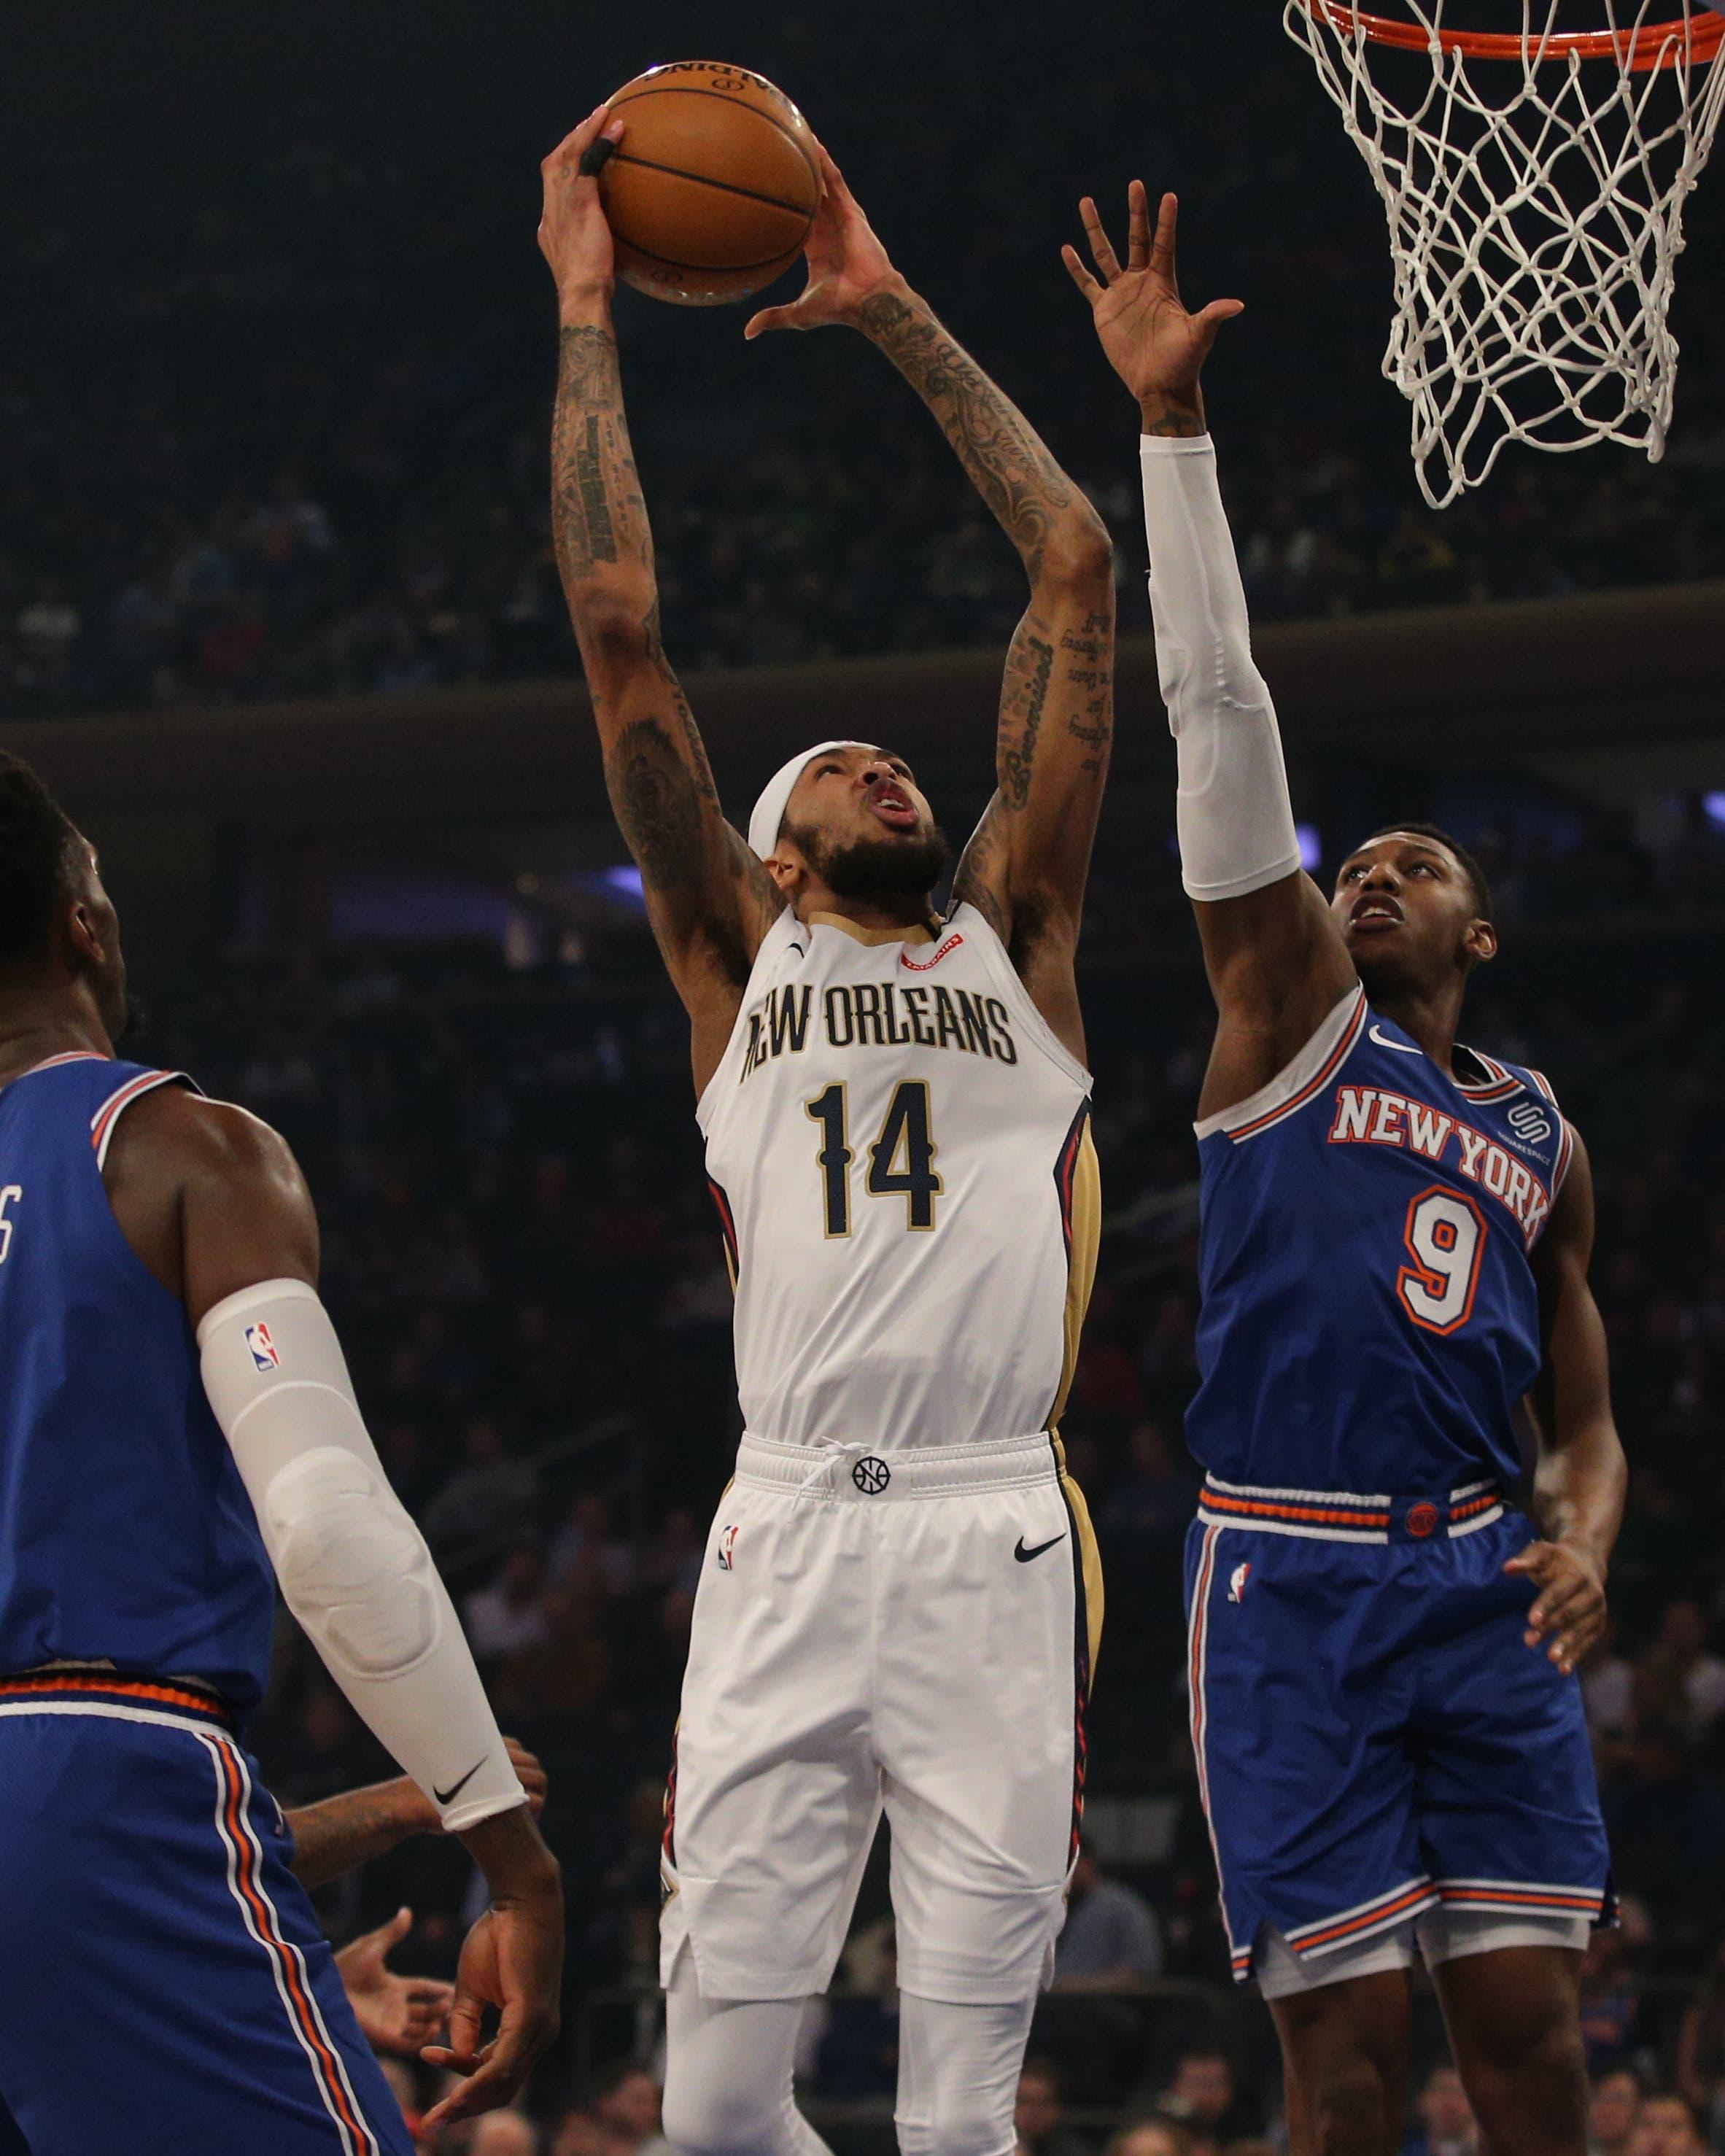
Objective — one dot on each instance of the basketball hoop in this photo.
(1534, 182)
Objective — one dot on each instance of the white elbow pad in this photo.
(345, 1551)
(1235, 820)
(353, 1568)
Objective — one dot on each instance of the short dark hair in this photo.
(1470, 867)
(37, 857)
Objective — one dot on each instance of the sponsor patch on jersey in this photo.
(265, 1354)
(726, 1552)
(927, 965)
(1530, 1121)
(1237, 1582)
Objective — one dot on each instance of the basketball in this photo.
(711, 191)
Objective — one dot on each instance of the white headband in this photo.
(768, 813)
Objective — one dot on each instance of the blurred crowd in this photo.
(1202, 2110)
(521, 1258)
(275, 416)
(275, 421)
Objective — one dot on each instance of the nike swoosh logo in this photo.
(448, 1795)
(1401, 1047)
(1024, 1556)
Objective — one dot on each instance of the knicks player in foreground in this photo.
(898, 1600)
(1385, 1713)
(177, 1416)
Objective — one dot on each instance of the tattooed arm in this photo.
(709, 899)
(342, 1833)
(1025, 868)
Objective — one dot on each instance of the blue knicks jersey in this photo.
(1370, 1318)
(126, 1533)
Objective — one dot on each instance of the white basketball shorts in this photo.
(913, 1633)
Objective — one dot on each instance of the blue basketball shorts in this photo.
(164, 1985)
(1374, 1738)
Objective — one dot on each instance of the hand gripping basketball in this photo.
(846, 262)
(574, 236)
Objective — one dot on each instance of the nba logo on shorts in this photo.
(727, 1546)
(1237, 1583)
(264, 1352)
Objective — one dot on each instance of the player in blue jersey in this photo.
(1396, 1229)
(177, 1417)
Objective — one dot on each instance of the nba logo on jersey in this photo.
(264, 1352)
(727, 1546)
(1237, 1582)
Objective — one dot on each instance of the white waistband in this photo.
(832, 1467)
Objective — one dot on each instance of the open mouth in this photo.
(1374, 914)
(894, 807)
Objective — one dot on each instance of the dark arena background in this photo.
(280, 621)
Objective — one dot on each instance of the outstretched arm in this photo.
(1275, 960)
(1578, 1483)
(709, 899)
(340, 1834)
(1025, 868)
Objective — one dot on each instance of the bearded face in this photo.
(880, 866)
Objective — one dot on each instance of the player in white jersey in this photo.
(899, 1603)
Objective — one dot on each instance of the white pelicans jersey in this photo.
(899, 1150)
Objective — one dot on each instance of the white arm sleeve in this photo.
(353, 1568)
(1234, 819)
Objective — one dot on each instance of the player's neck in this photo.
(889, 915)
(34, 1028)
(1431, 1018)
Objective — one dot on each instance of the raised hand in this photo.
(846, 263)
(1153, 344)
(574, 236)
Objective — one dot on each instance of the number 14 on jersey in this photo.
(900, 1161)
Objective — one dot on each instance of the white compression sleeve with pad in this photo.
(1235, 817)
(352, 1567)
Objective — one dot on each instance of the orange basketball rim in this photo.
(1534, 187)
(1652, 45)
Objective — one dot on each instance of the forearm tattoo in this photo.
(1002, 453)
(597, 509)
(343, 1832)
(692, 864)
(1174, 417)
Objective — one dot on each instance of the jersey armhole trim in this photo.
(1296, 1081)
(103, 1122)
(767, 952)
(998, 960)
(1566, 1153)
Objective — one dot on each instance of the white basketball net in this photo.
(1535, 214)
